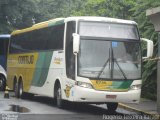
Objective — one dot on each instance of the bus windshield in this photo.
(110, 57)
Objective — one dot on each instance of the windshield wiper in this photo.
(124, 75)
(112, 60)
(104, 66)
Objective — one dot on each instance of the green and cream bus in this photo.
(78, 59)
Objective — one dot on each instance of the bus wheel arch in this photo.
(58, 93)
(2, 82)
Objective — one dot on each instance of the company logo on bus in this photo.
(57, 60)
(26, 59)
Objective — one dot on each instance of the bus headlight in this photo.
(84, 84)
(135, 87)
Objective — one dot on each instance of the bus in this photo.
(78, 59)
(4, 39)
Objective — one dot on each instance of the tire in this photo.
(59, 100)
(16, 91)
(112, 106)
(14, 84)
(2, 83)
(19, 90)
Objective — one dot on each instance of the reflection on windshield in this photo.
(109, 60)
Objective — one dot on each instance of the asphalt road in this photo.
(44, 108)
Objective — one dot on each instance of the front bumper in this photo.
(80, 94)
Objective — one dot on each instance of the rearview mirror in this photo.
(76, 43)
(149, 48)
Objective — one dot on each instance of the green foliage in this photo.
(59, 8)
(17, 14)
(107, 8)
(149, 88)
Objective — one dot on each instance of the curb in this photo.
(155, 116)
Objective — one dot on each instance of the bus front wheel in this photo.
(112, 106)
(59, 100)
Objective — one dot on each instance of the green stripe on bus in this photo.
(42, 68)
(126, 84)
(122, 84)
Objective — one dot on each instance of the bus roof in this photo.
(4, 35)
(57, 21)
(105, 19)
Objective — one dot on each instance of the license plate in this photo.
(111, 96)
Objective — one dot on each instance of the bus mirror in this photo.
(149, 45)
(76, 42)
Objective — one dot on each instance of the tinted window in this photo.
(70, 57)
(3, 51)
(4, 46)
(50, 38)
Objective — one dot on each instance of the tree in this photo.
(107, 8)
(4, 27)
(50, 9)
(17, 14)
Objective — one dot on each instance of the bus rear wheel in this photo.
(112, 106)
(19, 90)
(59, 100)
(2, 83)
